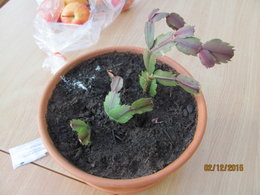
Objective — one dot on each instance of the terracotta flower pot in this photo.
(119, 186)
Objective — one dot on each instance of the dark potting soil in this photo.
(144, 145)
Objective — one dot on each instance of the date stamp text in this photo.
(224, 167)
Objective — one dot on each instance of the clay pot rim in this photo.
(118, 183)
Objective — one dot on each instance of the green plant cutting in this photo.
(181, 36)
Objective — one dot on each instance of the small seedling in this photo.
(82, 129)
(212, 52)
(123, 113)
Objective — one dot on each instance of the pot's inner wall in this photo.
(144, 145)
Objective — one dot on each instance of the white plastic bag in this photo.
(56, 38)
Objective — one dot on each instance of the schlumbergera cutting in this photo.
(210, 53)
(123, 113)
(182, 37)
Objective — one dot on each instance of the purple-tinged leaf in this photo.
(155, 17)
(158, 16)
(116, 84)
(113, 97)
(149, 34)
(152, 14)
(175, 21)
(149, 61)
(206, 58)
(186, 31)
(188, 45)
(116, 81)
(222, 51)
(169, 79)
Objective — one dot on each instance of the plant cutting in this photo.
(121, 119)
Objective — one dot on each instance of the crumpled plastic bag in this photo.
(56, 38)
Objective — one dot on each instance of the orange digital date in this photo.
(223, 167)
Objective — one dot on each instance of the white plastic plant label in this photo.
(26, 153)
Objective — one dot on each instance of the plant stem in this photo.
(148, 83)
(176, 79)
(196, 88)
(163, 43)
(165, 78)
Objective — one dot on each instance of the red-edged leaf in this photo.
(158, 16)
(206, 58)
(188, 45)
(222, 51)
(155, 17)
(151, 15)
(186, 31)
(175, 21)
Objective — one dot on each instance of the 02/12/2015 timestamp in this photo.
(223, 167)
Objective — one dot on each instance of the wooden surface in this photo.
(231, 91)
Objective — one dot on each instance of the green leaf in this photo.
(142, 105)
(149, 61)
(112, 100)
(153, 88)
(143, 78)
(145, 81)
(165, 78)
(188, 45)
(163, 44)
(149, 34)
(188, 83)
(121, 113)
(82, 129)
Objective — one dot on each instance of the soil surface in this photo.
(144, 145)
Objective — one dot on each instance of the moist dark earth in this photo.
(144, 145)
